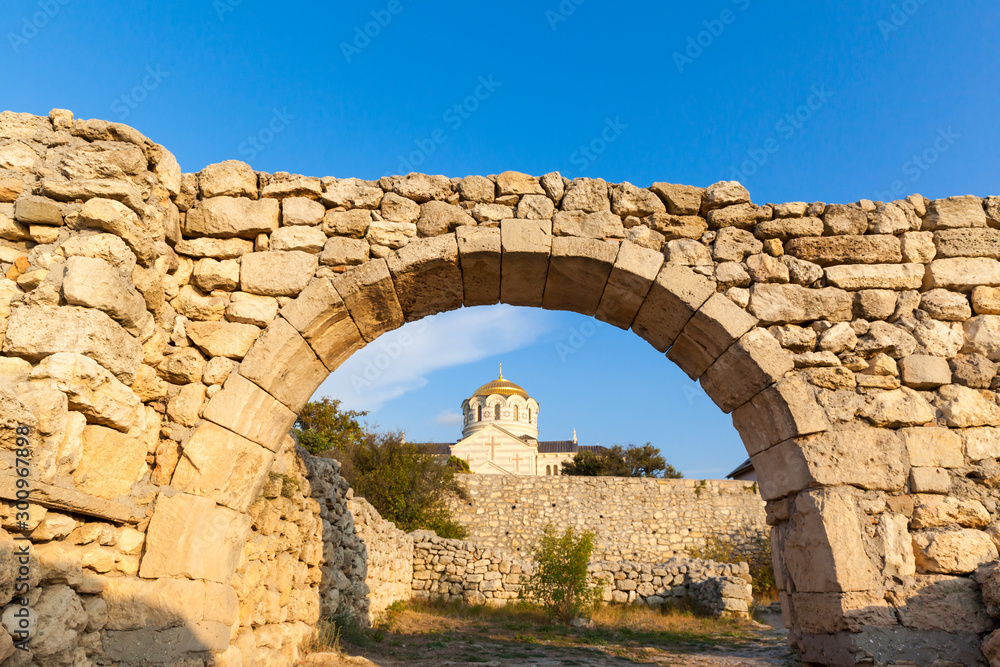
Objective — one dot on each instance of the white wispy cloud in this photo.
(400, 361)
(449, 418)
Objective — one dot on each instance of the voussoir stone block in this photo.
(672, 300)
(784, 410)
(427, 276)
(244, 408)
(633, 273)
(749, 366)
(526, 246)
(479, 256)
(283, 364)
(370, 297)
(190, 536)
(711, 330)
(319, 314)
(578, 272)
(223, 466)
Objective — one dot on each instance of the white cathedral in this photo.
(501, 434)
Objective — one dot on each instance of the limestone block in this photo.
(283, 364)
(711, 330)
(757, 361)
(533, 207)
(479, 255)
(724, 193)
(400, 209)
(159, 604)
(352, 193)
(194, 304)
(253, 309)
(672, 227)
(633, 273)
(183, 366)
(211, 274)
(733, 245)
(438, 217)
(219, 464)
(340, 251)
(192, 537)
(968, 242)
(278, 273)
(35, 332)
(215, 248)
(766, 269)
(929, 480)
(231, 178)
(90, 389)
(961, 274)
(938, 602)
(319, 314)
(34, 210)
(185, 406)
(897, 407)
(114, 217)
(246, 409)
(122, 191)
(490, 215)
(980, 443)
(863, 457)
(933, 511)
(370, 297)
(918, 247)
(226, 217)
(525, 245)
(921, 371)
(896, 545)
(599, 225)
(841, 219)
(783, 411)
(876, 276)
(674, 297)
(680, 199)
(788, 227)
(627, 199)
(301, 211)
(686, 252)
(355, 224)
(780, 304)
(944, 305)
(586, 194)
(427, 276)
(423, 188)
(826, 613)
(955, 212)
(108, 247)
(222, 339)
(986, 300)
(479, 189)
(111, 463)
(823, 551)
(850, 249)
(952, 551)
(963, 407)
(291, 185)
(578, 273)
(933, 447)
(217, 370)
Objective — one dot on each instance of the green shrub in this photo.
(758, 557)
(560, 582)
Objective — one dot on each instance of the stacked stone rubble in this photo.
(446, 569)
(643, 520)
(161, 331)
(388, 554)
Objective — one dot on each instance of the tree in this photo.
(323, 428)
(560, 582)
(633, 461)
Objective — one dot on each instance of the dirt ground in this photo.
(432, 637)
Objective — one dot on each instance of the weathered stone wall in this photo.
(162, 330)
(388, 553)
(644, 520)
(448, 570)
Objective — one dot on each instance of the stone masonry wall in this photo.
(644, 520)
(448, 570)
(388, 554)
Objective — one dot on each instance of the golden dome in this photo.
(501, 387)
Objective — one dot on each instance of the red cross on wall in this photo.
(492, 444)
(517, 462)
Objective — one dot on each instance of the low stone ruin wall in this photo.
(388, 551)
(642, 520)
(449, 570)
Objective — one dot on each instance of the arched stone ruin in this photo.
(162, 330)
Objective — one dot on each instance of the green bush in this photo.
(323, 428)
(758, 557)
(631, 461)
(560, 582)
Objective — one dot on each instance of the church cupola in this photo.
(503, 403)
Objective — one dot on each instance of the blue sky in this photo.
(833, 101)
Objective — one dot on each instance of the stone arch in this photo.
(839, 338)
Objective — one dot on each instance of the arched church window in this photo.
(480, 414)
(496, 411)
(555, 470)
(548, 470)
(529, 415)
(517, 416)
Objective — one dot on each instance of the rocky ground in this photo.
(428, 636)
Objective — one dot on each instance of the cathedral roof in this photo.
(501, 387)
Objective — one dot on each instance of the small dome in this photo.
(501, 387)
